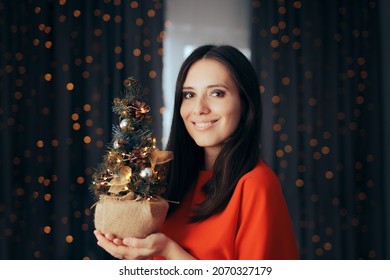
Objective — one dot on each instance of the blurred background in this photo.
(323, 69)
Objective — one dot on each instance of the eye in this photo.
(187, 95)
(217, 93)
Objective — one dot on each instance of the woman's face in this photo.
(211, 105)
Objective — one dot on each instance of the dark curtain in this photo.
(319, 67)
(61, 64)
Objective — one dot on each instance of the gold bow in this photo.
(160, 157)
(119, 182)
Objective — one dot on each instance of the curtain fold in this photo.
(61, 64)
(319, 67)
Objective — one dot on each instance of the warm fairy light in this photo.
(139, 21)
(277, 127)
(119, 65)
(76, 13)
(136, 52)
(70, 86)
(87, 139)
(151, 13)
(313, 142)
(299, 183)
(329, 175)
(279, 153)
(275, 43)
(118, 19)
(76, 126)
(40, 144)
(274, 29)
(147, 57)
(47, 229)
(89, 123)
(80, 180)
(89, 59)
(134, 4)
(325, 150)
(118, 50)
(286, 81)
(288, 149)
(106, 17)
(69, 239)
(48, 44)
(275, 99)
(282, 24)
(282, 10)
(297, 4)
(48, 77)
(87, 107)
(75, 117)
(315, 238)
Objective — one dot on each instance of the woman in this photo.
(231, 203)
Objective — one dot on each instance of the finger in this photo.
(139, 254)
(116, 251)
(131, 241)
(118, 242)
(97, 232)
(110, 236)
(147, 242)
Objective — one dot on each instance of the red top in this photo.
(254, 225)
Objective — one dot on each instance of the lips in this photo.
(203, 125)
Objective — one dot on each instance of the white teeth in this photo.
(203, 125)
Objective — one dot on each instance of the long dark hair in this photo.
(240, 152)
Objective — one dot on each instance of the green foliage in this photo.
(132, 162)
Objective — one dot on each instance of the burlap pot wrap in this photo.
(126, 217)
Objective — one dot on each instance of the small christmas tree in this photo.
(132, 175)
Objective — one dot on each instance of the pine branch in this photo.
(127, 165)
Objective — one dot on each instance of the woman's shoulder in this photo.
(261, 177)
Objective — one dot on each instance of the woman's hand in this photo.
(156, 244)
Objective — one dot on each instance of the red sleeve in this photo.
(264, 230)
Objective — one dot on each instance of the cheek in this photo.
(235, 117)
(235, 122)
(184, 111)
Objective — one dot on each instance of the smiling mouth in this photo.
(203, 125)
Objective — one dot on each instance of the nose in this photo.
(201, 106)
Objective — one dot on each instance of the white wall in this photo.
(189, 24)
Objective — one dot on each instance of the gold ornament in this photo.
(124, 114)
(125, 125)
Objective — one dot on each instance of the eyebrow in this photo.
(209, 86)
